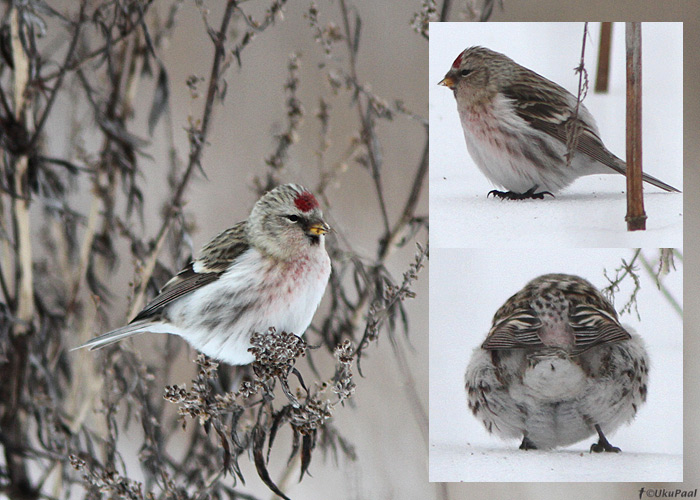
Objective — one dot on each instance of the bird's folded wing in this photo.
(593, 326)
(185, 282)
(216, 257)
(517, 330)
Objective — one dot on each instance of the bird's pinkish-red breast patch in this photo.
(306, 202)
(458, 61)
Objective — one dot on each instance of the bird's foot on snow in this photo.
(527, 444)
(530, 194)
(603, 444)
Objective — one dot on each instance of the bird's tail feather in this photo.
(659, 184)
(116, 335)
(620, 167)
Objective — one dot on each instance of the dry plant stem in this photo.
(59, 79)
(573, 126)
(662, 287)
(196, 148)
(25, 288)
(85, 249)
(615, 283)
(75, 64)
(444, 12)
(603, 71)
(636, 218)
(388, 244)
(368, 135)
(13, 420)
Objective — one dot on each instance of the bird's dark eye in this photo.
(293, 218)
(465, 72)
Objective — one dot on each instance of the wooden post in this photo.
(603, 70)
(636, 218)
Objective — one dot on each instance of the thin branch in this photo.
(197, 142)
(662, 287)
(368, 134)
(61, 74)
(573, 125)
(104, 49)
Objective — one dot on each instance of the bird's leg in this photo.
(603, 444)
(527, 444)
(530, 194)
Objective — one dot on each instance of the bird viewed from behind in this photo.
(557, 367)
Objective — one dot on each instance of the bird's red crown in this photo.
(306, 202)
(458, 61)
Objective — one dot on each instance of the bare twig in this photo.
(197, 142)
(573, 125)
(365, 113)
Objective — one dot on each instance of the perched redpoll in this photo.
(268, 271)
(517, 123)
(557, 367)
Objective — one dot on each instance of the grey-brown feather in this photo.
(591, 317)
(216, 257)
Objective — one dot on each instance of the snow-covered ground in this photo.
(591, 212)
(467, 286)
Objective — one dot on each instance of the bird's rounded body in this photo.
(219, 319)
(555, 365)
(519, 127)
(267, 272)
(537, 161)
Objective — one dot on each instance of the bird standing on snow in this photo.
(268, 271)
(557, 367)
(516, 125)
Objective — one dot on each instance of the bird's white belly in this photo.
(255, 295)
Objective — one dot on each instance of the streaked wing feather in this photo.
(518, 330)
(593, 326)
(215, 259)
(548, 118)
(185, 282)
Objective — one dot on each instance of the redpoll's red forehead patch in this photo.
(306, 202)
(458, 61)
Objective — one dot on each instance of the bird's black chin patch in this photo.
(314, 239)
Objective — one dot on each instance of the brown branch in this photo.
(603, 72)
(636, 218)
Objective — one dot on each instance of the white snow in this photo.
(591, 212)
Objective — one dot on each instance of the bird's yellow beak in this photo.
(319, 228)
(447, 82)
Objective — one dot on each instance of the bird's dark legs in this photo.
(527, 444)
(530, 194)
(603, 444)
